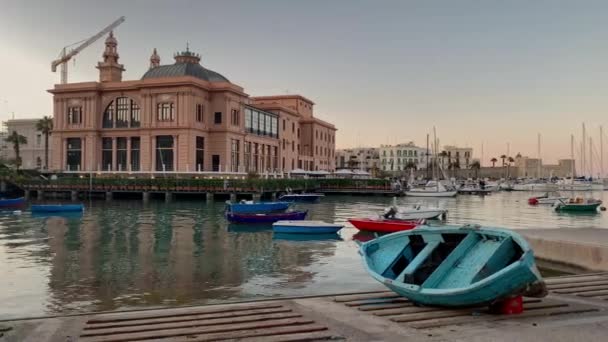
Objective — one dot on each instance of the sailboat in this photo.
(433, 188)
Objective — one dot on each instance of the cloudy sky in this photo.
(497, 72)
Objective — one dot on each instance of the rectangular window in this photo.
(235, 117)
(247, 156)
(74, 115)
(255, 122)
(283, 125)
(268, 125)
(234, 153)
(248, 114)
(268, 158)
(217, 118)
(275, 127)
(134, 114)
(165, 111)
(275, 158)
(106, 154)
(135, 148)
(200, 154)
(164, 153)
(215, 162)
(74, 153)
(293, 127)
(121, 154)
(123, 106)
(256, 157)
(298, 132)
(199, 112)
(38, 139)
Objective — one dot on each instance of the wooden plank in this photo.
(241, 335)
(572, 280)
(421, 316)
(161, 313)
(182, 325)
(582, 289)
(298, 337)
(157, 334)
(350, 298)
(377, 301)
(406, 309)
(569, 285)
(593, 293)
(192, 318)
(385, 306)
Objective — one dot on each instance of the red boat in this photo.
(381, 225)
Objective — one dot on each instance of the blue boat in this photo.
(306, 237)
(55, 208)
(261, 207)
(265, 217)
(11, 202)
(301, 197)
(306, 227)
(454, 266)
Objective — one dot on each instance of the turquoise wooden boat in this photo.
(454, 266)
(55, 208)
(578, 204)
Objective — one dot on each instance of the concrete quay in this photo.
(576, 309)
(575, 248)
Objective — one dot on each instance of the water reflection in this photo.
(125, 254)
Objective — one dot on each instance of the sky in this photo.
(491, 73)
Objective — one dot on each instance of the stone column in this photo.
(152, 149)
(175, 152)
(113, 153)
(128, 166)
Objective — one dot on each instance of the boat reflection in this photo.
(248, 228)
(307, 237)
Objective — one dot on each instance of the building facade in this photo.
(399, 157)
(182, 117)
(32, 152)
(461, 156)
(361, 158)
(534, 168)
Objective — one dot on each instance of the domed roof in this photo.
(184, 69)
(186, 64)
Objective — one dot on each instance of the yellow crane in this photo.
(65, 56)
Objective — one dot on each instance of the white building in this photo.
(32, 153)
(463, 156)
(361, 158)
(397, 157)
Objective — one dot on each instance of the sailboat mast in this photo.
(538, 175)
(435, 155)
(427, 156)
(601, 153)
(572, 156)
(590, 157)
(583, 152)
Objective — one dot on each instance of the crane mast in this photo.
(66, 56)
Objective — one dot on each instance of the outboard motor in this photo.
(390, 213)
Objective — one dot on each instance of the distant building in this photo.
(526, 167)
(361, 158)
(4, 146)
(395, 158)
(32, 153)
(461, 156)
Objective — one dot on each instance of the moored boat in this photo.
(11, 202)
(265, 217)
(432, 189)
(455, 266)
(55, 208)
(305, 197)
(415, 212)
(250, 207)
(547, 198)
(578, 204)
(306, 227)
(381, 225)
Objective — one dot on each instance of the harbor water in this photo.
(125, 254)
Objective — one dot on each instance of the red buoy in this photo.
(508, 306)
(532, 201)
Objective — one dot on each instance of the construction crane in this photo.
(66, 56)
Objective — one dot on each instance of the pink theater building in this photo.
(182, 117)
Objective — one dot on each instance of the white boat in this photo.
(547, 198)
(579, 185)
(535, 186)
(415, 212)
(432, 189)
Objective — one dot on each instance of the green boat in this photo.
(578, 204)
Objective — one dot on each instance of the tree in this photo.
(503, 157)
(352, 163)
(476, 166)
(17, 140)
(45, 126)
(510, 160)
(493, 160)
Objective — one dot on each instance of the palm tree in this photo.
(493, 160)
(509, 160)
(503, 157)
(45, 125)
(16, 139)
(476, 166)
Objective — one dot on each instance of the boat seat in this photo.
(384, 258)
(472, 256)
(407, 275)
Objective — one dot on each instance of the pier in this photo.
(576, 308)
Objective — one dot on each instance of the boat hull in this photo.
(265, 218)
(420, 214)
(578, 207)
(305, 227)
(431, 193)
(11, 202)
(383, 226)
(262, 207)
(486, 265)
(56, 208)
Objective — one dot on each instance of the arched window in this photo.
(123, 112)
